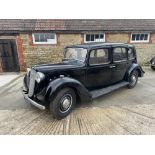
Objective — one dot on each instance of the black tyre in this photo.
(63, 103)
(133, 79)
(153, 68)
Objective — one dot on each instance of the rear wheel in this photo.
(133, 79)
(63, 103)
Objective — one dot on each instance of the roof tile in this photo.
(77, 24)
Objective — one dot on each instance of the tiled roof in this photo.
(77, 24)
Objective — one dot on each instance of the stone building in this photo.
(25, 42)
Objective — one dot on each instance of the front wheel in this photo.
(63, 103)
(133, 79)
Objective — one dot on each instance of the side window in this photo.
(119, 54)
(130, 54)
(99, 56)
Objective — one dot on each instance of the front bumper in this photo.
(29, 100)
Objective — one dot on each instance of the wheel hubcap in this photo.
(66, 103)
(133, 79)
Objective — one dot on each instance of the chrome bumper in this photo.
(29, 100)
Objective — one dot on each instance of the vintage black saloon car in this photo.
(86, 72)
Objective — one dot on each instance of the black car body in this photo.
(152, 61)
(86, 72)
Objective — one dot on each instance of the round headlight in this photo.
(39, 77)
(153, 62)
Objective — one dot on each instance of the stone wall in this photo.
(35, 54)
(121, 37)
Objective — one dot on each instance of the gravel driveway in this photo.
(125, 111)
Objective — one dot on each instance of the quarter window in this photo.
(94, 38)
(99, 56)
(130, 54)
(44, 38)
(119, 54)
(140, 37)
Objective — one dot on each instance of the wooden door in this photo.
(8, 56)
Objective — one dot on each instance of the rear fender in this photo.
(58, 84)
(132, 68)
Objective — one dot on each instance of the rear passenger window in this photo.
(99, 56)
(130, 54)
(119, 54)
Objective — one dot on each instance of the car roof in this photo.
(99, 44)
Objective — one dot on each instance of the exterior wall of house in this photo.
(35, 54)
(20, 52)
(30, 54)
(121, 37)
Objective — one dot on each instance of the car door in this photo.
(98, 71)
(119, 63)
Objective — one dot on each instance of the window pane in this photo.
(137, 36)
(93, 53)
(42, 38)
(124, 53)
(100, 53)
(36, 37)
(47, 36)
(99, 56)
(133, 37)
(142, 37)
(76, 53)
(51, 36)
(146, 37)
(87, 37)
(101, 36)
(124, 50)
(92, 37)
(119, 54)
(130, 54)
(97, 36)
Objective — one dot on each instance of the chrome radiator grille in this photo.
(32, 82)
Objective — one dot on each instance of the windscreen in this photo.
(76, 53)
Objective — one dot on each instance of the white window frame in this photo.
(54, 41)
(94, 34)
(139, 41)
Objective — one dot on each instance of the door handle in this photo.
(112, 66)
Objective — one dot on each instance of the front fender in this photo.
(58, 84)
(135, 67)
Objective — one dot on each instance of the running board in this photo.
(99, 92)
